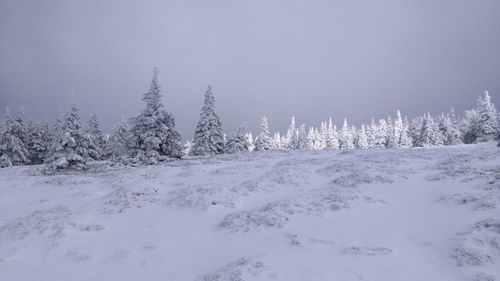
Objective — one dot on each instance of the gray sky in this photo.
(311, 58)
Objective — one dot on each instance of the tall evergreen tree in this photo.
(13, 147)
(380, 134)
(346, 137)
(277, 141)
(38, 142)
(291, 136)
(362, 142)
(116, 146)
(330, 136)
(94, 138)
(322, 136)
(370, 134)
(153, 136)
(335, 138)
(263, 141)
(454, 134)
(237, 142)
(208, 136)
(67, 148)
(302, 137)
(312, 139)
(487, 129)
(399, 134)
(250, 142)
(429, 133)
(470, 125)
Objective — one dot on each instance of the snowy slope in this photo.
(417, 214)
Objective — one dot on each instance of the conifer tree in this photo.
(13, 147)
(399, 135)
(94, 138)
(116, 146)
(263, 141)
(454, 134)
(68, 149)
(250, 142)
(470, 125)
(429, 133)
(322, 141)
(329, 143)
(346, 137)
(380, 134)
(153, 136)
(487, 129)
(38, 142)
(312, 139)
(370, 134)
(277, 141)
(291, 136)
(362, 142)
(335, 138)
(208, 136)
(406, 140)
(302, 137)
(237, 142)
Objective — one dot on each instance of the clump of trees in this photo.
(151, 136)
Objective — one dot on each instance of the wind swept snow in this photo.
(407, 214)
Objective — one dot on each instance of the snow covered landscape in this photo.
(281, 140)
(407, 214)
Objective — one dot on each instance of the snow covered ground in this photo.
(417, 214)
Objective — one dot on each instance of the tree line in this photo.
(151, 137)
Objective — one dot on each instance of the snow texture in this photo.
(393, 214)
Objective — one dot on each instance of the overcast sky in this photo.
(311, 58)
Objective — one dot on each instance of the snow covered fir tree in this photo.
(68, 146)
(208, 136)
(237, 141)
(94, 138)
(263, 140)
(153, 137)
(13, 142)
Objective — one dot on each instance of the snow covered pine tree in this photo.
(487, 129)
(67, 149)
(263, 140)
(116, 146)
(208, 136)
(94, 138)
(153, 137)
(38, 141)
(237, 142)
(13, 148)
